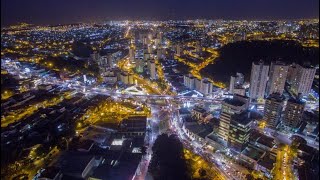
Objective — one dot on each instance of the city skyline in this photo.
(91, 90)
(59, 12)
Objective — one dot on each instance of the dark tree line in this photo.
(81, 50)
(168, 162)
(238, 57)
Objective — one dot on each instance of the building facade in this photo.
(239, 131)
(277, 77)
(303, 80)
(273, 109)
(293, 113)
(258, 80)
(230, 107)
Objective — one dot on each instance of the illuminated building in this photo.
(146, 56)
(236, 82)
(189, 81)
(109, 76)
(277, 77)
(139, 65)
(236, 105)
(206, 87)
(131, 53)
(198, 47)
(152, 69)
(149, 49)
(160, 53)
(239, 131)
(178, 50)
(303, 80)
(293, 113)
(203, 86)
(292, 73)
(126, 78)
(272, 109)
(258, 80)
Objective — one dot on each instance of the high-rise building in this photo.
(198, 47)
(149, 49)
(109, 76)
(292, 73)
(303, 80)
(130, 78)
(159, 36)
(206, 87)
(277, 77)
(203, 86)
(124, 77)
(236, 105)
(139, 65)
(236, 82)
(273, 109)
(131, 54)
(189, 81)
(146, 57)
(152, 69)
(293, 113)
(197, 84)
(178, 50)
(239, 130)
(258, 80)
(160, 53)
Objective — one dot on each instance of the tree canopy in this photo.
(168, 160)
(238, 57)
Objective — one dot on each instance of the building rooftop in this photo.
(267, 162)
(201, 130)
(276, 97)
(74, 163)
(260, 62)
(124, 168)
(184, 111)
(296, 101)
(244, 118)
(234, 102)
(199, 109)
(252, 152)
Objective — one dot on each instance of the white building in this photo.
(206, 87)
(152, 69)
(178, 50)
(160, 53)
(277, 77)
(189, 81)
(236, 82)
(203, 86)
(292, 73)
(131, 53)
(109, 76)
(124, 77)
(302, 82)
(258, 80)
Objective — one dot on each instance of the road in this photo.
(75, 84)
(153, 126)
(283, 168)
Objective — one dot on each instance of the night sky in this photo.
(68, 11)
